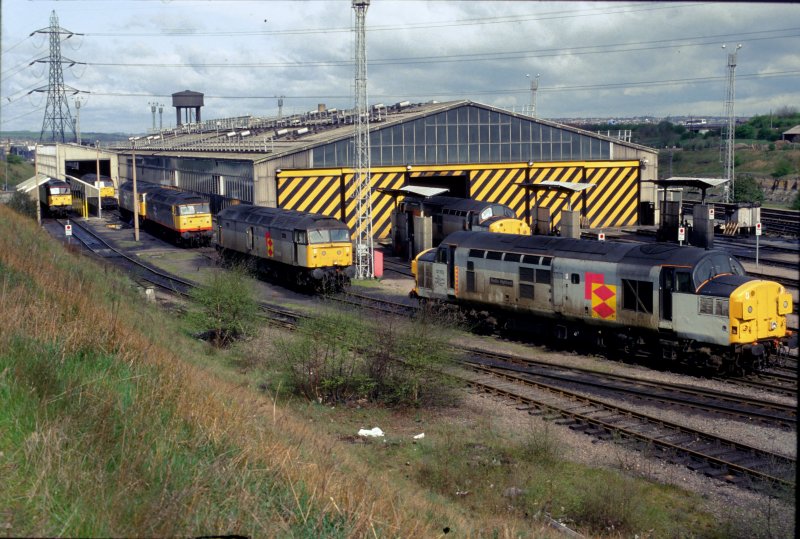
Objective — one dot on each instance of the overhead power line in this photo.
(494, 91)
(563, 14)
(473, 57)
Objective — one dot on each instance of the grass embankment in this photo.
(107, 429)
(17, 172)
(115, 422)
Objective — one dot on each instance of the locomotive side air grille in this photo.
(526, 275)
(543, 276)
(706, 305)
(427, 279)
(526, 291)
(721, 307)
(470, 276)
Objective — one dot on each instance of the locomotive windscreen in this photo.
(716, 264)
(193, 209)
(328, 235)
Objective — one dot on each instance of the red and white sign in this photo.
(758, 229)
(601, 236)
(711, 213)
(681, 233)
(68, 230)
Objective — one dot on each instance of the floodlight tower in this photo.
(78, 119)
(365, 261)
(731, 123)
(153, 106)
(534, 88)
(280, 107)
(57, 116)
(161, 116)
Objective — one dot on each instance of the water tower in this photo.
(188, 102)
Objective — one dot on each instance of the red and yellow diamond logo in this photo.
(604, 301)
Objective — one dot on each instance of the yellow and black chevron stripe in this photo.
(314, 191)
(382, 204)
(612, 202)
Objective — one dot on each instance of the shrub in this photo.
(783, 168)
(227, 309)
(746, 189)
(23, 204)
(340, 357)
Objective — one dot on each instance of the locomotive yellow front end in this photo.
(61, 202)
(193, 222)
(330, 254)
(758, 312)
(510, 226)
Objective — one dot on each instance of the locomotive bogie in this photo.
(627, 297)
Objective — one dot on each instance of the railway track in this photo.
(141, 272)
(713, 456)
(716, 457)
(716, 403)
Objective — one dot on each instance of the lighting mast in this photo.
(364, 255)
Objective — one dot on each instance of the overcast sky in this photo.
(595, 59)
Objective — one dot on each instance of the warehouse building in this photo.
(305, 161)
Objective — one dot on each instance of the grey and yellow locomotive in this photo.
(108, 195)
(450, 214)
(55, 197)
(684, 303)
(306, 250)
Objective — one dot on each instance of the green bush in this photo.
(746, 189)
(783, 168)
(339, 357)
(227, 310)
(23, 204)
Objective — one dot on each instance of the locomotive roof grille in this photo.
(279, 218)
(657, 254)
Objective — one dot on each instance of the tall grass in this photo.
(105, 429)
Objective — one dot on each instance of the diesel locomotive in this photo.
(184, 218)
(108, 196)
(55, 197)
(306, 250)
(684, 304)
(450, 214)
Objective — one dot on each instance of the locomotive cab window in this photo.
(476, 253)
(300, 237)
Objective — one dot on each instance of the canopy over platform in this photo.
(698, 183)
(417, 190)
(548, 185)
(32, 183)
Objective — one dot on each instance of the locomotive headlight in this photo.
(750, 309)
(323, 253)
(339, 252)
(773, 325)
(785, 304)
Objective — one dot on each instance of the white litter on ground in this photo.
(374, 433)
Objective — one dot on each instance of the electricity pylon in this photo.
(57, 116)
